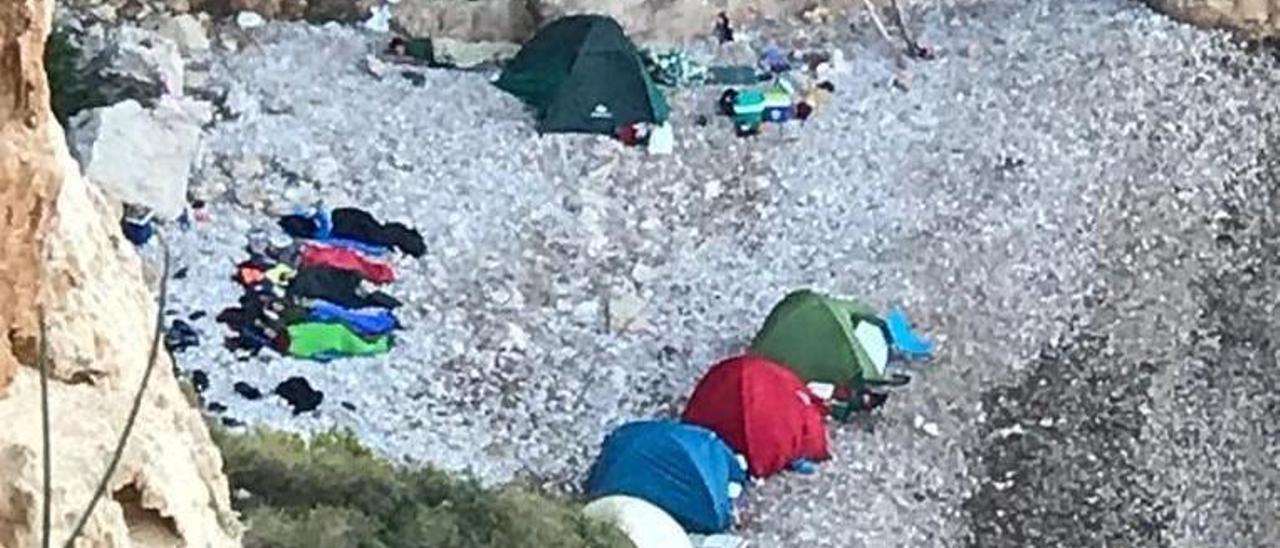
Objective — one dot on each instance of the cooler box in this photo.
(748, 107)
(777, 106)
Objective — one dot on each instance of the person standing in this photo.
(724, 32)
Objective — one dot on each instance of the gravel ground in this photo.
(1105, 376)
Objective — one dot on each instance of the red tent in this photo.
(763, 410)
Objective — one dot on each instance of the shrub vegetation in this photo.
(332, 492)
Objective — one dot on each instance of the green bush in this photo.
(70, 91)
(333, 492)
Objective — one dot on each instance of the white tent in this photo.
(645, 524)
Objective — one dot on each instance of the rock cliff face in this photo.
(60, 250)
(1259, 18)
(661, 20)
(515, 20)
(481, 20)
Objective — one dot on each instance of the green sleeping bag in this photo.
(326, 341)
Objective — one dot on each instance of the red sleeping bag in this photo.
(762, 410)
(343, 258)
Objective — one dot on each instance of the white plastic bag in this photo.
(662, 140)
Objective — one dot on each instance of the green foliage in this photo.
(333, 492)
(70, 92)
(319, 527)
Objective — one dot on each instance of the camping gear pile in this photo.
(751, 416)
(674, 68)
(581, 74)
(734, 75)
(774, 60)
(305, 298)
(411, 50)
(778, 103)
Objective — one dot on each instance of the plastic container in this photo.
(777, 106)
(748, 107)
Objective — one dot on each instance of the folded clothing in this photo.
(349, 223)
(326, 341)
(180, 336)
(279, 274)
(300, 395)
(253, 272)
(316, 224)
(341, 258)
(252, 334)
(361, 247)
(339, 287)
(366, 322)
(357, 224)
(249, 274)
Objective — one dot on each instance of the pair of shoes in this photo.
(180, 336)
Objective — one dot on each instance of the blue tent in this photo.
(681, 468)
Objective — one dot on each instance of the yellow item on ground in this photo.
(280, 274)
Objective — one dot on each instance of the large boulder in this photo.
(347, 11)
(493, 20)
(646, 20)
(513, 20)
(471, 54)
(489, 20)
(272, 9)
(184, 30)
(1259, 18)
(139, 64)
(139, 155)
(62, 253)
(661, 20)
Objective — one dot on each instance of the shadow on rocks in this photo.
(1102, 446)
(1061, 457)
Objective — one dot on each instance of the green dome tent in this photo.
(824, 339)
(583, 75)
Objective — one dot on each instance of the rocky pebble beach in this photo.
(1047, 199)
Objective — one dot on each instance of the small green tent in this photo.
(824, 339)
(583, 75)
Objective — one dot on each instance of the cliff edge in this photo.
(61, 251)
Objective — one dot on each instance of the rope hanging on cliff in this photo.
(46, 519)
(133, 412)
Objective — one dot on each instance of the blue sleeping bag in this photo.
(681, 468)
(369, 249)
(368, 322)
